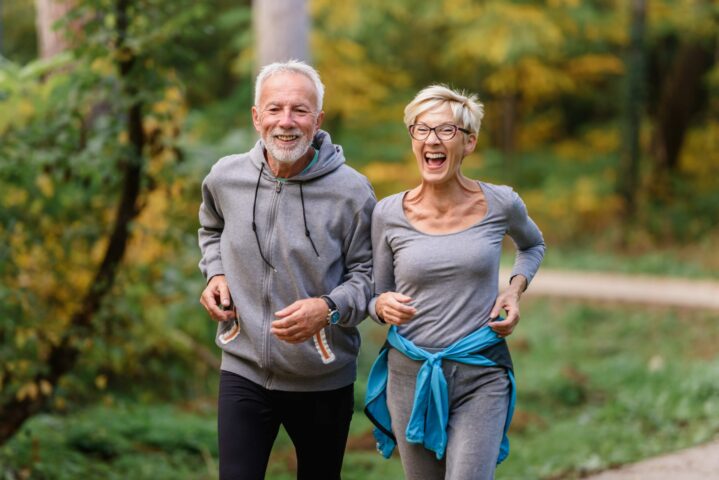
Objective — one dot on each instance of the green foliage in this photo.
(65, 145)
(549, 74)
(114, 443)
(598, 386)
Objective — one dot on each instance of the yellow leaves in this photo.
(45, 387)
(592, 67)
(32, 390)
(60, 403)
(387, 172)
(585, 195)
(101, 382)
(540, 130)
(389, 178)
(530, 77)
(336, 13)
(25, 108)
(103, 65)
(45, 185)
(22, 335)
(146, 244)
(355, 87)
(14, 197)
(29, 390)
(501, 33)
(563, 3)
(695, 162)
(592, 142)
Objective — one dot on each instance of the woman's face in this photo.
(439, 160)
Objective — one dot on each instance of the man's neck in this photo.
(288, 170)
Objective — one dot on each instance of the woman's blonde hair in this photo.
(466, 107)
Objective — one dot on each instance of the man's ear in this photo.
(320, 119)
(256, 118)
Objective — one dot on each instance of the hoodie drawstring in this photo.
(304, 218)
(254, 225)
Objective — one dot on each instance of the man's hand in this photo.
(391, 307)
(216, 299)
(509, 302)
(299, 321)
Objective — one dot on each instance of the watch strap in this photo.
(330, 303)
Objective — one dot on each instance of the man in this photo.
(286, 249)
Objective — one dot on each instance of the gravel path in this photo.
(698, 463)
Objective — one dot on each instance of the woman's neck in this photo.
(445, 196)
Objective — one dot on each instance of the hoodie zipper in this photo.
(267, 360)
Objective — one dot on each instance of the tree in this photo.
(74, 188)
(51, 39)
(634, 96)
(281, 30)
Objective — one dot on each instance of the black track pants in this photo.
(249, 418)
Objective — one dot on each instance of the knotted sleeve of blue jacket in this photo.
(428, 420)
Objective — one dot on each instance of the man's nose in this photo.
(287, 118)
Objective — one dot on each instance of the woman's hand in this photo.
(393, 309)
(509, 302)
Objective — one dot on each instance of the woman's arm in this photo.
(387, 306)
(530, 252)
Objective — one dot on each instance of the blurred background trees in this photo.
(112, 112)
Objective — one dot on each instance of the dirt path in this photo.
(698, 463)
(643, 289)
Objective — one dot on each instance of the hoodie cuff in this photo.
(213, 271)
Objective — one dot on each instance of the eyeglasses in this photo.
(446, 131)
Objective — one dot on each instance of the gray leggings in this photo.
(478, 402)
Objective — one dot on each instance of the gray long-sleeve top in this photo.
(452, 278)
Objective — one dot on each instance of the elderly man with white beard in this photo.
(286, 251)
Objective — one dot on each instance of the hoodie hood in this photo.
(330, 159)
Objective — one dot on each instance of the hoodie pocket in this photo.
(322, 345)
(228, 331)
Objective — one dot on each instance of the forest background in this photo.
(602, 114)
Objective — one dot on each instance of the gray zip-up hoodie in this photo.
(314, 233)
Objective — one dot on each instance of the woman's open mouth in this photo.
(434, 160)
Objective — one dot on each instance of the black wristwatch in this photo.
(333, 315)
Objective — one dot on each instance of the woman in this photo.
(442, 388)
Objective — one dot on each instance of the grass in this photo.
(599, 386)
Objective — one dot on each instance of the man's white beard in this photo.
(283, 155)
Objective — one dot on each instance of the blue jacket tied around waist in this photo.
(430, 411)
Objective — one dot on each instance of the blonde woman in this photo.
(442, 389)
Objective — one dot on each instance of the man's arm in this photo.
(216, 296)
(354, 293)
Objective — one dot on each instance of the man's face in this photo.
(286, 117)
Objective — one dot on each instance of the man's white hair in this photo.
(290, 66)
(466, 108)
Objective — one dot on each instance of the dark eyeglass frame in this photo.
(435, 130)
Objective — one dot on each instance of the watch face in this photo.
(334, 317)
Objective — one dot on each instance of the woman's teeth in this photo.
(435, 159)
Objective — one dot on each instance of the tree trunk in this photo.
(281, 30)
(50, 40)
(634, 95)
(680, 100)
(63, 356)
